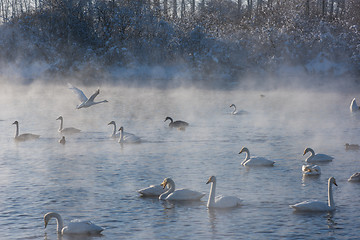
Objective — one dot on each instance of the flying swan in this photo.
(85, 102)
(74, 227)
(24, 136)
(180, 194)
(181, 125)
(255, 161)
(68, 130)
(317, 206)
(220, 201)
(353, 106)
(127, 138)
(313, 158)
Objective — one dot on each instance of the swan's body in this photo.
(85, 102)
(313, 158)
(310, 169)
(152, 191)
(24, 136)
(62, 140)
(181, 125)
(128, 138)
(351, 146)
(220, 201)
(317, 206)
(353, 106)
(68, 130)
(74, 227)
(255, 161)
(116, 134)
(233, 112)
(355, 177)
(180, 194)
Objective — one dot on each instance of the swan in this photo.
(313, 158)
(85, 102)
(74, 227)
(233, 112)
(116, 134)
(152, 191)
(353, 106)
(68, 130)
(310, 169)
(355, 177)
(351, 146)
(181, 125)
(220, 201)
(127, 138)
(24, 136)
(62, 140)
(255, 161)
(317, 206)
(180, 194)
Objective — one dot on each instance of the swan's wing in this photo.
(185, 195)
(355, 177)
(227, 201)
(80, 94)
(153, 190)
(131, 138)
(311, 206)
(92, 98)
(259, 161)
(82, 227)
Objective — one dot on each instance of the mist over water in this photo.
(92, 177)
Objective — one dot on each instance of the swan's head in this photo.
(121, 129)
(211, 179)
(168, 118)
(332, 180)
(232, 105)
(59, 118)
(307, 150)
(16, 122)
(166, 182)
(244, 149)
(105, 101)
(112, 122)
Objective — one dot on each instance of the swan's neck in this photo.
(61, 124)
(211, 200)
(114, 131)
(171, 186)
(17, 130)
(247, 157)
(59, 220)
(312, 153)
(171, 120)
(121, 139)
(93, 103)
(330, 196)
(234, 109)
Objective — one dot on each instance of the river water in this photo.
(93, 177)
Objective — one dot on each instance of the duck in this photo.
(318, 206)
(24, 136)
(74, 227)
(152, 191)
(220, 201)
(68, 130)
(180, 194)
(127, 138)
(355, 177)
(351, 146)
(62, 140)
(310, 169)
(255, 161)
(181, 125)
(313, 158)
(85, 102)
(353, 106)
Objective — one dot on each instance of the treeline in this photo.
(230, 38)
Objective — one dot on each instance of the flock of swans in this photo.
(166, 190)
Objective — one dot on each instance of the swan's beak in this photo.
(208, 181)
(335, 183)
(163, 184)
(46, 223)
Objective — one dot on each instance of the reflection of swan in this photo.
(220, 201)
(74, 227)
(127, 138)
(351, 146)
(24, 136)
(310, 169)
(317, 157)
(254, 161)
(180, 194)
(68, 130)
(355, 177)
(353, 106)
(317, 206)
(181, 125)
(233, 112)
(85, 102)
(152, 191)
(62, 140)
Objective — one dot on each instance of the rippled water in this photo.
(93, 178)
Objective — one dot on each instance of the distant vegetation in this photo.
(207, 39)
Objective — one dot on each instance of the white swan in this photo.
(310, 169)
(220, 201)
(85, 102)
(355, 177)
(152, 191)
(74, 227)
(317, 206)
(24, 136)
(181, 125)
(116, 134)
(68, 130)
(128, 138)
(313, 158)
(254, 161)
(233, 112)
(351, 146)
(180, 194)
(353, 106)
(62, 140)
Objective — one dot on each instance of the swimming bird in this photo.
(127, 138)
(180, 194)
(85, 102)
(152, 191)
(220, 201)
(255, 161)
(351, 146)
(74, 227)
(313, 158)
(68, 130)
(24, 136)
(353, 106)
(310, 169)
(233, 112)
(62, 140)
(318, 206)
(181, 125)
(355, 177)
